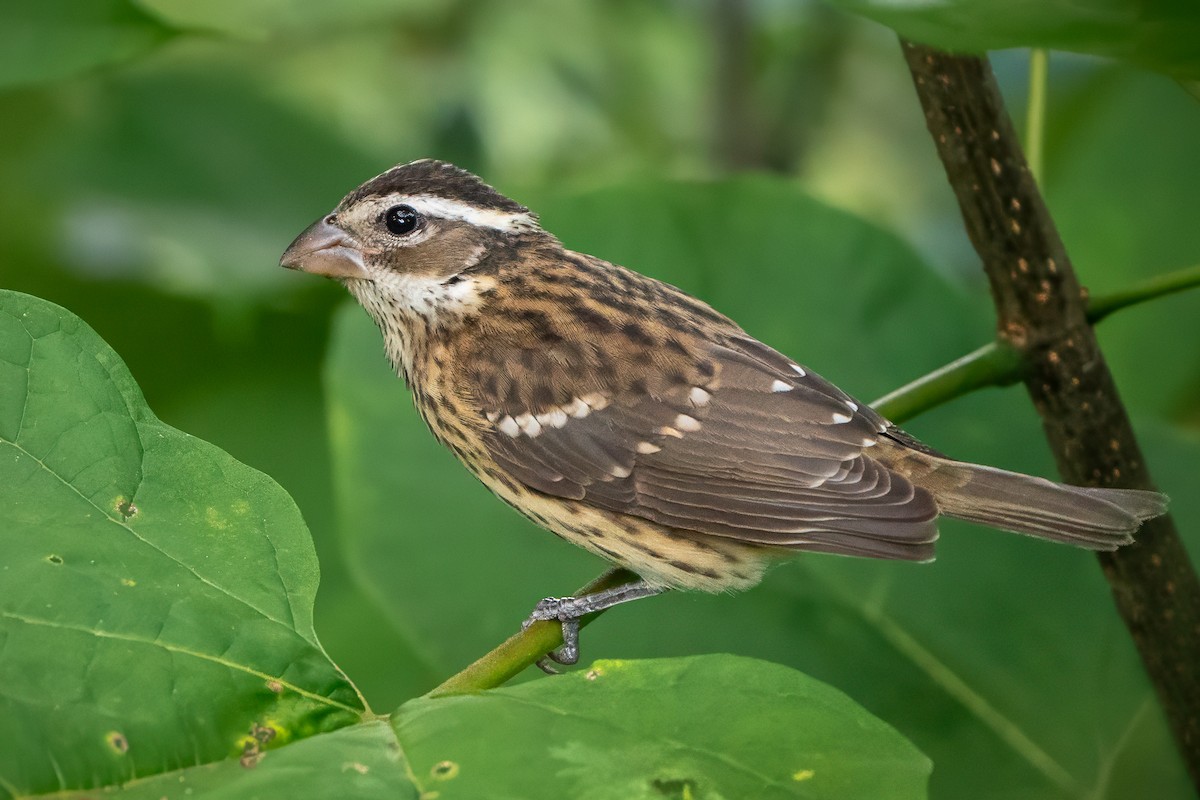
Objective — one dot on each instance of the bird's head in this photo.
(412, 238)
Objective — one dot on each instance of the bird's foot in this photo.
(569, 610)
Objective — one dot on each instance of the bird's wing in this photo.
(761, 450)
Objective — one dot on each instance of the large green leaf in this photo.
(1005, 654)
(50, 39)
(1159, 34)
(155, 595)
(699, 728)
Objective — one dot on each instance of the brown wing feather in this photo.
(762, 451)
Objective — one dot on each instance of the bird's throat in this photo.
(414, 311)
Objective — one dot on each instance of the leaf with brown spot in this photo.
(156, 595)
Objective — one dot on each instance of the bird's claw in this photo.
(569, 610)
(560, 609)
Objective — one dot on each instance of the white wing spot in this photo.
(841, 418)
(685, 423)
(853, 406)
(509, 427)
(529, 424)
(492, 416)
(578, 409)
(799, 370)
(781, 386)
(553, 419)
(617, 471)
(869, 442)
(646, 448)
(667, 430)
(595, 400)
(699, 397)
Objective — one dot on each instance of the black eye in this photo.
(401, 219)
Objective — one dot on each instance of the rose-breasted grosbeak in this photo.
(636, 421)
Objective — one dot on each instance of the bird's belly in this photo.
(663, 556)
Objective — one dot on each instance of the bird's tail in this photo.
(1098, 519)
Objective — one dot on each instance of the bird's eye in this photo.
(401, 219)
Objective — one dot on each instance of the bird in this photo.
(636, 421)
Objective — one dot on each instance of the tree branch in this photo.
(1042, 314)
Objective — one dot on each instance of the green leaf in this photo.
(51, 39)
(362, 761)
(155, 595)
(1157, 34)
(701, 728)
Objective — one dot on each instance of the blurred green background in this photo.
(156, 157)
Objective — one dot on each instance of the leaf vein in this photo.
(152, 545)
(183, 651)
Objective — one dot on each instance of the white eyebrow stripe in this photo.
(444, 208)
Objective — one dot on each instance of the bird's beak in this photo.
(325, 249)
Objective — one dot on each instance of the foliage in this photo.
(156, 595)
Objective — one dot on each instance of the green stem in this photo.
(999, 364)
(994, 364)
(1035, 114)
(1158, 286)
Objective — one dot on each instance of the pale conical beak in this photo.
(325, 249)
